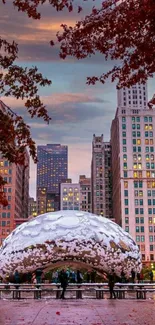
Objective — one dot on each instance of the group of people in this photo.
(73, 277)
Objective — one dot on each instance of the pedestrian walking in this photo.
(111, 284)
(63, 278)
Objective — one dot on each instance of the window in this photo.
(147, 165)
(150, 238)
(145, 119)
(139, 149)
(134, 149)
(140, 193)
(138, 238)
(149, 201)
(126, 220)
(151, 149)
(125, 174)
(124, 149)
(123, 119)
(137, 228)
(125, 193)
(137, 219)
(136, 210)
(150, 229)
(138, 141)
(134, 133)
(142, 238)
(146, 149)
(141, 211)
(126, 202)
(138, 126)
(133, 126)
(151, 134)
(137, 118)
(142, 228)
(124, 141)
(141, 219)
(124, 126)
(141, 201)
(125, 165)
(146, 133)
(126, 211)
(146, 141)
(125, 157)
(150, 118)
(146, 127)
(136, 202)
(127, 228)
(125, 184)
(151, 248)
(139, 157)
(134, 141)
(135, 157)
(152, 156)
(123, 134)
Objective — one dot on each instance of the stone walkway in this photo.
(84, 312)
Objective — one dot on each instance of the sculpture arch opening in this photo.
(71, 236)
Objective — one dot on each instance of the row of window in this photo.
(137, 134)
(137, 126)
(137, 119)
(138, 157)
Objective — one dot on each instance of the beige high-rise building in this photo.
(101, 177)
(85, 188)
(133, 168)
(17, 194)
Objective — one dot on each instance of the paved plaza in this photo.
(75, 312)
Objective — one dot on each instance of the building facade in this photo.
(70, 196)
(52, 168)
(101, 177)
(133, 168)
(32, 207)
(17, 193)
(85, 188)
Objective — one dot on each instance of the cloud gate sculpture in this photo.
(52, 239)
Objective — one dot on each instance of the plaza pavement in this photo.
(77, 312)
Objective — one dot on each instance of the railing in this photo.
(93, 290)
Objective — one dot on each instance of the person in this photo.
(111, 284)
(151, 276)
(123, 280)
(63, 278)
(16, 277)
(79, 277)
(133, 275)
(38, 275)
(138, 277)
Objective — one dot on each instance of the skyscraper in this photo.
(133, 168)
(17, 193)
(52, 168)
(101, 177)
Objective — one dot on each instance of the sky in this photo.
(77, 110)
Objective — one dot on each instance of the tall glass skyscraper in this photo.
(52, 169)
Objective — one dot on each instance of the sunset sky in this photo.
(77, 110)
